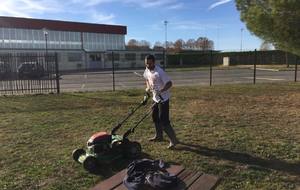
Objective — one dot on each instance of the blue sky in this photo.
(216, 19)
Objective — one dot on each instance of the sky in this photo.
(217, 20)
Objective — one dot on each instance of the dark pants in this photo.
(160, 116)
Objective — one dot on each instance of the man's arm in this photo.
(147, 86)
(167, 86)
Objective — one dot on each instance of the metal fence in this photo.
(202, 58)
(255, 59)
(36, 73)
(209, 73)
(24, 73)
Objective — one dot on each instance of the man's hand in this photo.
(148, 91)
(145, 99)
(167, 86)
(157, 92)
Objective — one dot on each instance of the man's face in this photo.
(149, 64)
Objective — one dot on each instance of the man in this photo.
(159, 83)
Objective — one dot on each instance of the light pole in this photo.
(166, 43)
(242, 39)
(46, 39)
(45, 31)
(218, 36)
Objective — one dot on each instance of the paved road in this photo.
(94, 81)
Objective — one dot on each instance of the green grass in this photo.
(247, 134)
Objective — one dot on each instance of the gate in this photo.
(28, 73)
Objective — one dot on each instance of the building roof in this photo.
(29, 23)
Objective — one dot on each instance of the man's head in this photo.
(150, 62)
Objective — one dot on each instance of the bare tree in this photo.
(178, 45)
(204, 43)
(158, 46)
(190, 44)
(132, 44)
(144, 45)
(170, 46)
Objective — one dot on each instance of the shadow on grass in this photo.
(279, 165)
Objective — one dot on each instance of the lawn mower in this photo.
(103, 148)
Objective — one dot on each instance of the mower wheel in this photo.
(90, 164)
(133, 150)
(77, 153)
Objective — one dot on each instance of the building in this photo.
(79, 46)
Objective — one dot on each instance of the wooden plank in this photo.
(122, 187)
(183, 177)
(205, 182)
(111, 182)
(184, 174)
(188, 180)
(192, 179)
(173, 169)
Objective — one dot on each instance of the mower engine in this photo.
(102, 148)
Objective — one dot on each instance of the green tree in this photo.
(275, 21)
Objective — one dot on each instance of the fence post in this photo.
(287, 60)
(165, 60)
(210, 68)
(255, 61)
(296, 68)
(113, 69)
(57, 74)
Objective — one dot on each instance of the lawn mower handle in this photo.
(131, 130)
(144, 102)
(161, 98)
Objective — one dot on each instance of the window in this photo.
(6, 33)
(74, 57)
(143, 55)
(13, 35)
(116, 57)
(130, 56)
(95, 57)
(28, 58)
(159, 56)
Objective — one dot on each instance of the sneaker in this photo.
(156, 139)
(171, 146)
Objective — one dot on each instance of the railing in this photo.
(24, 73)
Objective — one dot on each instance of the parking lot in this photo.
(129, 79)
